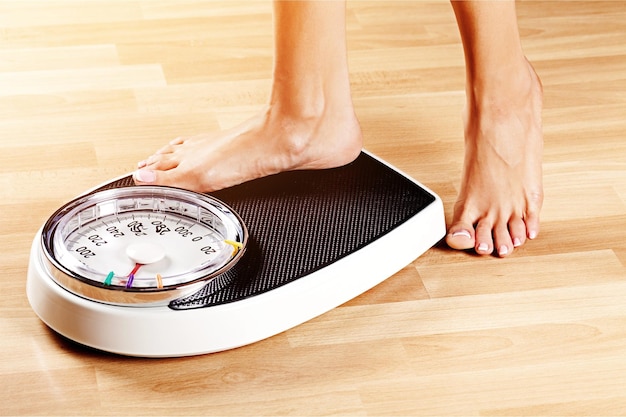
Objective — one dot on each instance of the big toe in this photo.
(171, 178)
(145, 176)
(461, 236)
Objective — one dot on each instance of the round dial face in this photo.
(139, 245)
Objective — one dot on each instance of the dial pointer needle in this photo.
(131, 276)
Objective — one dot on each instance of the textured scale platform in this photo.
(302, 221)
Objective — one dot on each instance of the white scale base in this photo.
(164, 332)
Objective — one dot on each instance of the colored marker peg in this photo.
(236, 246)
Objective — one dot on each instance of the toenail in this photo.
(503, 250)
(142, 164)
(145, 175)
(462, 233)
(532, 234)
(483, 247)
(517, 242)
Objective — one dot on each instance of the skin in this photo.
(309, 123)
(501, 190)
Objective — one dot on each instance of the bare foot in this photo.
(269, 143)
(501, 188)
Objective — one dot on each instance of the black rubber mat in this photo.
(302, 221)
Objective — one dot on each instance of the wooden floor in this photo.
(89, 88)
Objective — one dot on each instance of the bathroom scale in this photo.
(156, 271)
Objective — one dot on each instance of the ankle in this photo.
(315, 132)
(310, 94)
(505, 88)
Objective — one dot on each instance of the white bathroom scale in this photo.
(160, 272)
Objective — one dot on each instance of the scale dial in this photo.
(142, 245)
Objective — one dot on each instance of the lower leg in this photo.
(501, 188)
(309, 122)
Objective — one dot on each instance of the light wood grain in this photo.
(89, 88)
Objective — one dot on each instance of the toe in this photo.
(460, 236)
(502, 238)
(145, 176)
(484, 240)
(532, 226)
(161, 162)
(171, 147)
(534, 203)
(517, 231)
